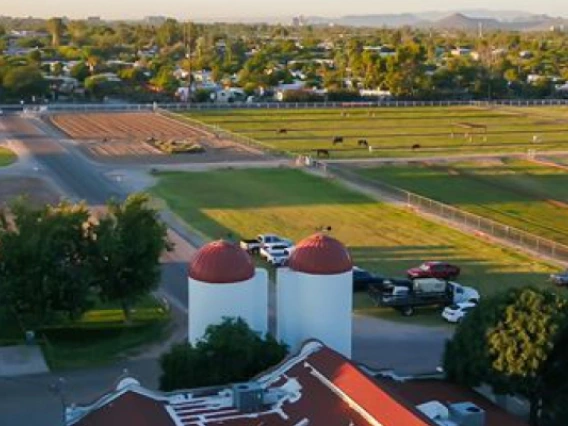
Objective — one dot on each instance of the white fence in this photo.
(482, 226)
(125, 107)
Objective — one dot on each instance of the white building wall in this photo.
(315, 307)
(210, 303)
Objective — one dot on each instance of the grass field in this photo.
(380, 237)
(7, 157)
(518, 193)
(393, 131)
(100, 337)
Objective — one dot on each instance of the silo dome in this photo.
(320, 254)
(221, 262)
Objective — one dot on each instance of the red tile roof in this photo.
(320, 255)
(130, 408)
(221, 262)
(317, 386)
(421, 391)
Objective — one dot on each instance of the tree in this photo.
(56, 27)
(555, 380)
(130, 240)
(507, 342)
(522, 341)
(43, 266)
(165, 80)
(25, 82)
(80, 71)
(229, 352)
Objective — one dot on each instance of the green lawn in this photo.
(393, 131)
(383, 238)
(7, 157)
(518, 193)
(100, 337)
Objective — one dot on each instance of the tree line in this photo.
(57, 261)
(413, 63)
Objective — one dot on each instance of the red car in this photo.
(440, 270)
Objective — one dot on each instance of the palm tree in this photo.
(55, 26)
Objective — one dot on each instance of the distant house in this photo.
(461, 51)
(382, 51)
(281, 90)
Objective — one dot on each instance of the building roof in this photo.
(129, 408)
(320, 254)
(421, 391)
(221, 262)
(317, 386)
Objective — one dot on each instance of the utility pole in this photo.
(188, 55)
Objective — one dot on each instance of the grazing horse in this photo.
(416, 146)
(337, 140)
(282, 131)
(322, 153)
(363, 142)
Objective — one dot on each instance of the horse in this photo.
(363, 142)
(337, 140)
(282, 131)
(322, 153)
(416, 146)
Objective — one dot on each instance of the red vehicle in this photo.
(439, 270)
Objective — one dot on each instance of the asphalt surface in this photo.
(29, 401)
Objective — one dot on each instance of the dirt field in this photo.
(123, 137)
(36, 190)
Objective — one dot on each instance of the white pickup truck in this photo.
(276, 255)
(264, 241)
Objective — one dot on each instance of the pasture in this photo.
(398, 132)
(522, 194)
(382, 238)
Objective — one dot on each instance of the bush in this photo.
(230, 352)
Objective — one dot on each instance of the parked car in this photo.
(264, 240)
(560, 279)
(362, 279)
(276, 255)
(457, 312)
(440, 270)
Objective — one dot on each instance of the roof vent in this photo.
(247, 397)
(467, 414)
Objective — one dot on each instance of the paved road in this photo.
(440, 158)
(380, 344)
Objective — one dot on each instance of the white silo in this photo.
(315, 295)
(223, 282)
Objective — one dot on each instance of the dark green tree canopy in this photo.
(130, 240)
(230, 352)
(507, 342)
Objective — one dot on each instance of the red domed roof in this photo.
(320, 255)
(221, 262)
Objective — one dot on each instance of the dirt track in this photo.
(121, 137)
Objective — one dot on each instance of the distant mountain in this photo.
(469, 20)
(461, 22)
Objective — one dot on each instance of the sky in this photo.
(206, 9)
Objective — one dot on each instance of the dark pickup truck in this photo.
(403, 298)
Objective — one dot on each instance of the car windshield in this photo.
(424, 267)
(279, 248)
(454, 307)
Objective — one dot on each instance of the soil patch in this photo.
(132, 137)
